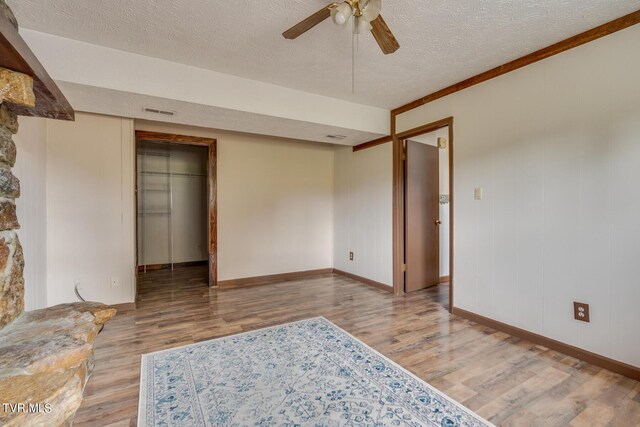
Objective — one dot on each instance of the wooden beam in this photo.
(575, 41)
(373, 143)
(15, 55)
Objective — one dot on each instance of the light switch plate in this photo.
(477, 193)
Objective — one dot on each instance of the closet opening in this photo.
(176, 207)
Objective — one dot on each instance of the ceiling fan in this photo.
(366, 15)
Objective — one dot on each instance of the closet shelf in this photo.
(171, 173)
(153, 213)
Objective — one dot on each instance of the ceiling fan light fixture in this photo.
(372, 10)
(342, 13)
(366, 15)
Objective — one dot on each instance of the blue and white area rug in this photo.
(307, 373)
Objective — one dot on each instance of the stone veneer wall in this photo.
(11, 259)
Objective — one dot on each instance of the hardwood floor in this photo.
(507, 380)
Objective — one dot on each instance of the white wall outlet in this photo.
(477, 193)
(114, 282)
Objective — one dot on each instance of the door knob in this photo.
(438, 222)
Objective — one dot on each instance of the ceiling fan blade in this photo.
(384, 36)
(304, 26)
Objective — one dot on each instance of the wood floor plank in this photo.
(505, 379)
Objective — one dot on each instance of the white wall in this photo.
(90, 211)
(30, 168)
(363, 212)
(556, 148)
(431, 138)
(188, 223)
(275, 202)
(275, 206)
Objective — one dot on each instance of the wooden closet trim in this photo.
(211, 144)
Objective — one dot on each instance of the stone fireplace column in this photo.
(46, 355)
(16, 88)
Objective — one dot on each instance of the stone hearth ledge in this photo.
(46, 357)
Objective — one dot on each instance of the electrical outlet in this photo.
(350, 256)
(581, 311)
(114, 282)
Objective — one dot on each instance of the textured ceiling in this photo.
(442, 41)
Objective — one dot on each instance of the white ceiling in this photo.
(442, 41)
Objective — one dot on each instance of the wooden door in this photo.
(422, 216)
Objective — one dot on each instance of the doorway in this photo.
(425, 187)
(176, 203)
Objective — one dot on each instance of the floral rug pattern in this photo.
(307, 373)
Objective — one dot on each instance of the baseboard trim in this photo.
(444, 279)
(272, 278)
(126, 306)
(593, 358)
(364, 280)
(152, 267)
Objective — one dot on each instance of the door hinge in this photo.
(404, 267)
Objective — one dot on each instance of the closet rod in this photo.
(150, 153)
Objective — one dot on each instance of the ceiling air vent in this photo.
(336, 136)
(157, 111)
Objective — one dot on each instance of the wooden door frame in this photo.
(399, 194)
(212, 205)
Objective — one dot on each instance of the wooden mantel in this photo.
(15, 55)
